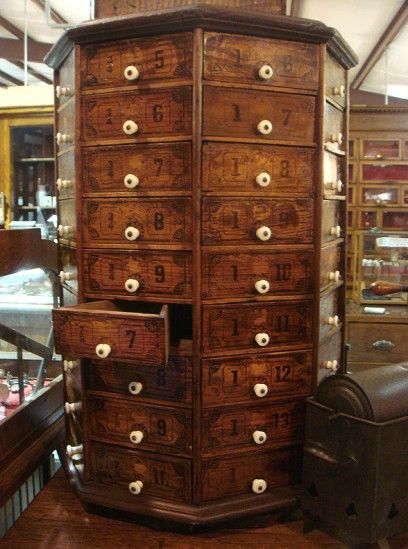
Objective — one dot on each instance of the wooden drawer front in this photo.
(236, 221)
(237, 113)
(236, 326)
(156, 273)
(66, 175)
(236, 58)
(226, 429)
(225, 477)
(330, 267)
(138, 336)
(334, 136)
(65, 126)
(66, 79)
(164, 221)
(162, 476)
(241, 380)
(167, 57)
(333, 175)
(379, 342)
(336, 86)
(329, 311)
(172, 383)
(329, 355)
(331, 227)
(156, 113)
(163, 429)
(137, 169)
(68, 263)
(230, 168)
(67, 219)
(256, 273)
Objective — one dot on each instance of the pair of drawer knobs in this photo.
(259, 437)
(259, 486)
(263, 233)
(132, 73)
(130, 127)
(131, 181)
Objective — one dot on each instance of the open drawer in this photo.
(113, 330)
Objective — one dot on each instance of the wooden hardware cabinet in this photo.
(209, 239)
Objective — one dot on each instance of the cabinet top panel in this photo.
(212, 18)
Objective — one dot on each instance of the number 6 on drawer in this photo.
(104, 330)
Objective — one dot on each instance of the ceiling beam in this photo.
(10, 78)
(14, 50)
(295, 8)
(33, 72)
(55, 16)
(390, 33)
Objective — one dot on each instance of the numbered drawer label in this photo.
(149, 427)
(336, 87)
(256, 327)
(137, 169)
(169, 384)
(103, 329)
(330, 267)
(160, 476)
(243, 221)
(133, 222)
(237, 475)
(128, 116)
(256, 273)
(243, 59)
(256, 378)
(264, 115)
(264, 170)
(152, 273)
(125, 62)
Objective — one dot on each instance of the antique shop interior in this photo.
(203, 274)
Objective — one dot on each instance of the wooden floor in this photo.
(56, 520)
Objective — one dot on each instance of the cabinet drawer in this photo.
(330, 267)
(255, 274)
(69, 269)
(336, 86)
(161, 476)
(66, 185)
(256, 428)
(65, 126)
(145, 273)
(66, 80)
(141, 426)
(242, 221)
(333, 175)
(331, 227)
(380, 342)
(329, 355)
(256, 378)
(239, 113)
(329, 313)
(130, 62)
(137, 169)
(128, 116)
(256, 169)
(256, 327)
(169, 384)
(334, 136)
(138, 336)
(224, 477)
(136, 222)
(67, 224)
(250, 60)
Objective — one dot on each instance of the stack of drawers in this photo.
(209, 265)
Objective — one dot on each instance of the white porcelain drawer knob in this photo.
(72, 407)
(135, 487)
(264, 127)
(334, 185)
(131, 73)
(135, 387)
(259, 437)
(130, 127)
(335, 231)
(262, 286)
(62, 138)
(334, 276)
(262, 339)
(259, 485)
(75, 450)
(264, 233)
(66, 277)
(131, 181)
(261, 389)
(132, 285)
(63, 184)
(339, 90)
(331, 365)
(62, 91)
(263, 179)
(136, 437)
(103, 350)
(131, 233)
(333, 320)
(337, 138)
(70, 365)
(65, 230)
(265, 72)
